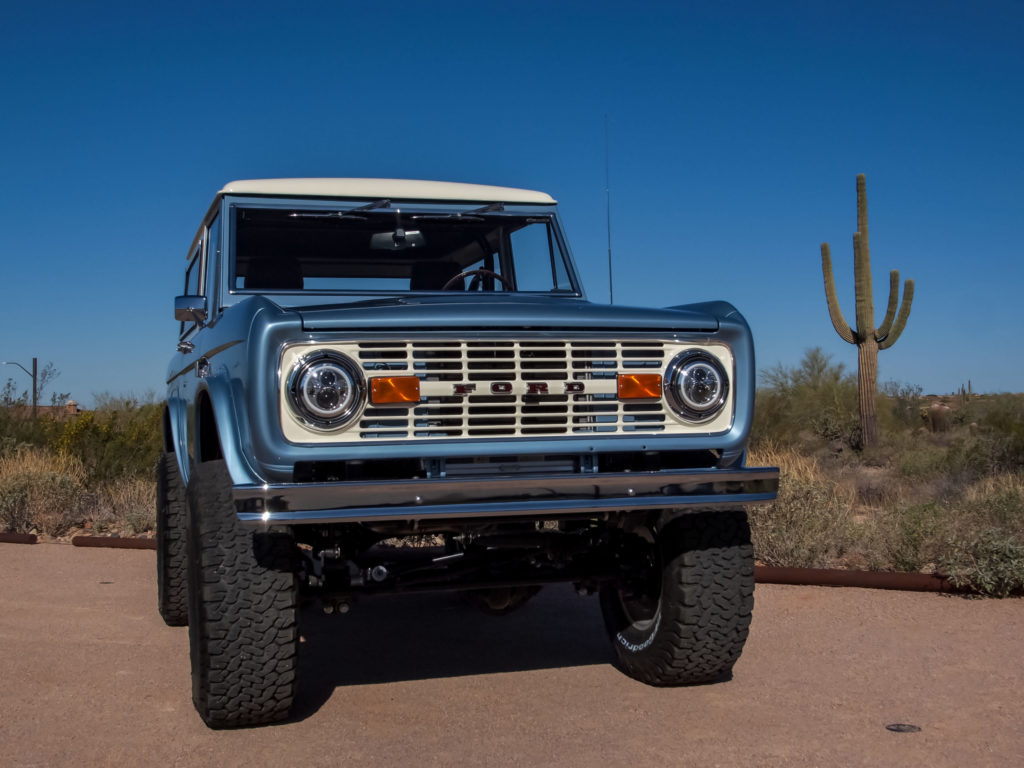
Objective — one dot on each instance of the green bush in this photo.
(991, 563)
(908, 537)
(921, 461)
(114, 442)
(816, 396)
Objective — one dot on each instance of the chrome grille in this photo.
(549, 365)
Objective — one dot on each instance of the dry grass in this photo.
(46, 492)
(40, 491)
(125, 505)
(811, 524)
(914, 507)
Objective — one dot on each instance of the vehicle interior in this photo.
(483, 250)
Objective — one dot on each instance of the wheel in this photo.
(171, 571)
(680, 612)
(243, 631)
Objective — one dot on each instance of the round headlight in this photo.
(326, 389)
(697, 385)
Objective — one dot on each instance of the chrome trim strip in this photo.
(215, 351)
(502, 496)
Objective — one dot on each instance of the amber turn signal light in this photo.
(394, 389)
(639, 386)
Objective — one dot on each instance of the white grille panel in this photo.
(505, 388)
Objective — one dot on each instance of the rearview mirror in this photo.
(190, 309)
(399, 240)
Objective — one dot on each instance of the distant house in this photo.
(66, 412)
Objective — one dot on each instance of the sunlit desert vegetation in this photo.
(92, 472)
(943, 492)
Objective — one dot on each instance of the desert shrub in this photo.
(127, 504)
(1002, 425)
(921, 460)
(809, 524)
(991, 562)
(900, 406)
(816, 397)
(113, 442)
(40, 491)
(96, 467)
(907, 537)
(996, 500)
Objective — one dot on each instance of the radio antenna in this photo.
(608, 211)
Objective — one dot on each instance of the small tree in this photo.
(867, 338)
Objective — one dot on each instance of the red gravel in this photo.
(91, 676)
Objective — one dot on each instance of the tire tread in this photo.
(243, 626)
(171, 555)
(706, 604)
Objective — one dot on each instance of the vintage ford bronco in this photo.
(362, 361)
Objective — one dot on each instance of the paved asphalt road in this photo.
(89, 675)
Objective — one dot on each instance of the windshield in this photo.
(382, 249)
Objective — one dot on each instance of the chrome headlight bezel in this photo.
(310, 414)
(686, 365)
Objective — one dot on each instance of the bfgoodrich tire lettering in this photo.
(242, 610)
(171, 558)
(694, 628)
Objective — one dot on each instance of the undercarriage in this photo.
(493, 560)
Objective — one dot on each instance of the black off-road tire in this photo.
(171, 557)
(243, 629)
(694, 627)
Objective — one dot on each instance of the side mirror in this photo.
(190, 309)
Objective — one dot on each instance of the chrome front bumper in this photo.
(504, 496)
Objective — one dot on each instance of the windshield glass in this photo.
(391, 250)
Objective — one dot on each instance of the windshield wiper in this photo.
(351, 213)
(471, 215)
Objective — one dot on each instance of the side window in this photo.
(193, 281)
(538, 260)
(212, 260)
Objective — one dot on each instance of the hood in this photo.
(517, 312)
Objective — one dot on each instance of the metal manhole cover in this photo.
(902, 728)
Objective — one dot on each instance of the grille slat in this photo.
(540, 402)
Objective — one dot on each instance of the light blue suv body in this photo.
(367, 359)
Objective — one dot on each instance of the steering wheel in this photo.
(477, 273)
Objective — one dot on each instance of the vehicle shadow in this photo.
(417, 637)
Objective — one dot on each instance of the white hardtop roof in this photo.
(391, 189)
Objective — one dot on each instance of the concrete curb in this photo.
(820, 577)
(19, 538)
(113, 542)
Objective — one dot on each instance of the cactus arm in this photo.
(834, 312)
(901, 319)
(890, 312)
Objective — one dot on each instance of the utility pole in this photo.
(34, 373)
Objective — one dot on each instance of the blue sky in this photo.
(735, 135)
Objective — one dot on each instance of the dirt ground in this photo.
(90, 676)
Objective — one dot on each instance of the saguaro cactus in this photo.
(867, 338)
